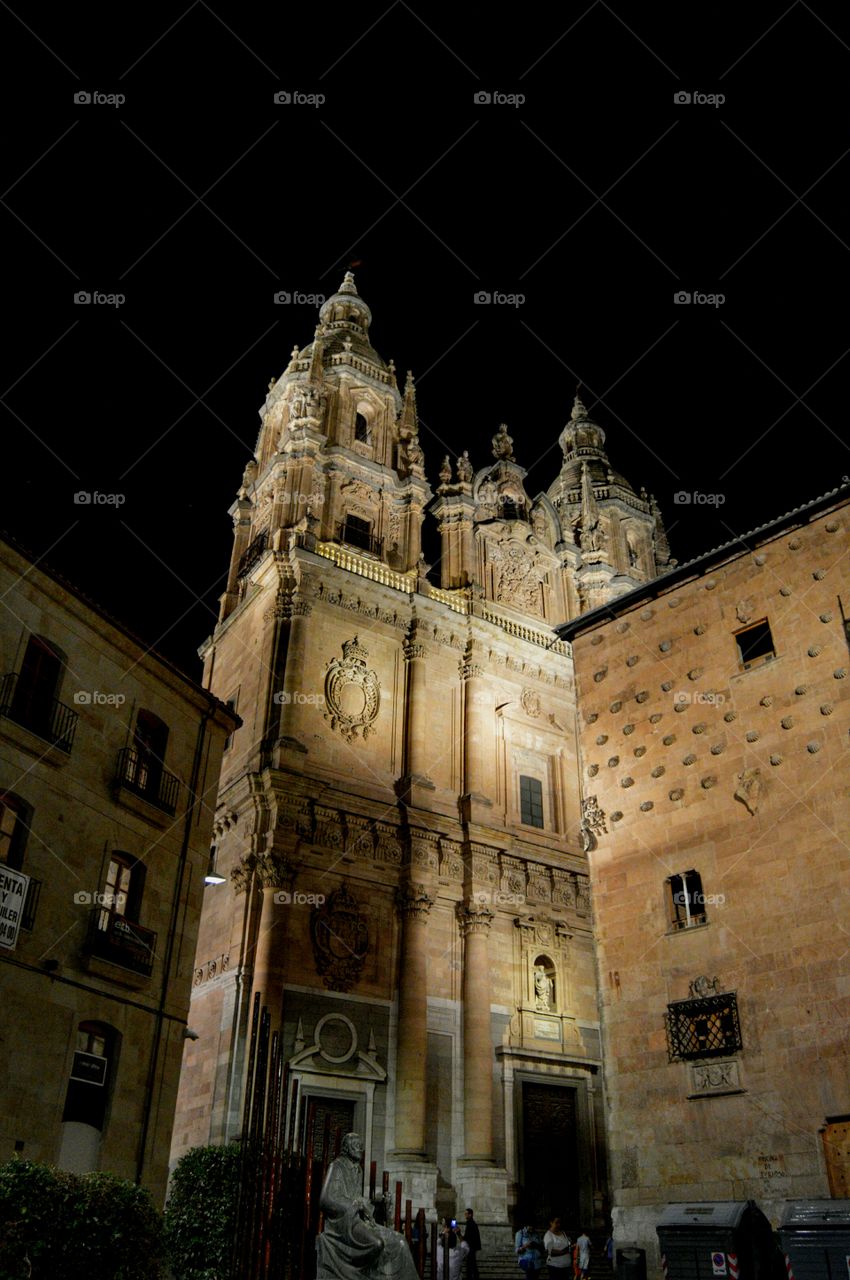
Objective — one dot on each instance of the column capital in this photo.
(411, 649)
(474, 918)
(273, 870)
(414, 901)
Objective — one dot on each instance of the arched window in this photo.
(361, 429)
(15, 818)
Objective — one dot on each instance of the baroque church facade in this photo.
(400, 819)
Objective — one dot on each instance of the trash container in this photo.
(631, 1263)
(815, 1238)
(703, 1240)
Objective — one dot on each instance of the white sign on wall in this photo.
(13, 895)
(718, 1264)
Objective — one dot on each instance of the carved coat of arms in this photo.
(352, 692)
(340, 940)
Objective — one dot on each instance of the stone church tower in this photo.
(400, 819)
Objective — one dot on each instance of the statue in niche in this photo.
(543, 989)
(352, 1246)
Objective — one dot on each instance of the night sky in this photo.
(596, 200)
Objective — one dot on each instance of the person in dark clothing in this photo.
(472, 1236)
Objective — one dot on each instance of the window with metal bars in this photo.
(703, 1028)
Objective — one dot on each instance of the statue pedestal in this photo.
(484, 1189)
(418, 1183)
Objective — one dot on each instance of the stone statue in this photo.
(464, 468)
(542, 989)
(352, 1246)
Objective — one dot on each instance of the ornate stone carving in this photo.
(273, 870)
(340, 938)
(748, 790)
(515, 580)
(352, 692)
(424, 851)
(414, 900)
(543, 989)
(388, 847)
(530, 703)
(592, 823)
(474, 918)
(703, 986)
(745, 608)
(329, 832)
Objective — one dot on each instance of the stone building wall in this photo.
(739, 775)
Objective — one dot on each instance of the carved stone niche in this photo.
(543, 1018)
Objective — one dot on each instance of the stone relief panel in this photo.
(352, 692)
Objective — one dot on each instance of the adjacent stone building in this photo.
(713, 735)
(109, 762)
(400, 817)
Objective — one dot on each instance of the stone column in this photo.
(274, 876)
(478, 755)
(414, 903)
(242, 511)
(416, 719)
(291, 618)
(475, 920)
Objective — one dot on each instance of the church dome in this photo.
(344, 321)
(583, 444)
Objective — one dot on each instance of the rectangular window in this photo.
(755, 645)
(704, 1028)
(686, 903)
(531, 801)
(357, 533)
(231, 703)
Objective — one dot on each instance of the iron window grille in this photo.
(703, 1028)
(252, 554)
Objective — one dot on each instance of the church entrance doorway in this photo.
(550, 1173)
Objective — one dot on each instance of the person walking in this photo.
(583, 1243)
(528, 1246)
(472, 1236)
(557, 1245)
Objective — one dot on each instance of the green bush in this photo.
(58, 1226)
(200, 1216)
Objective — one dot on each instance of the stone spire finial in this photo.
(503, 445)
(348, 285)
(409, 424)
(592, 537)
(578, 410)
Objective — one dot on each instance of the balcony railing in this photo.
(48, 718)
(359, 539)
(145, 777)
(252, 554)
(121, 941)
